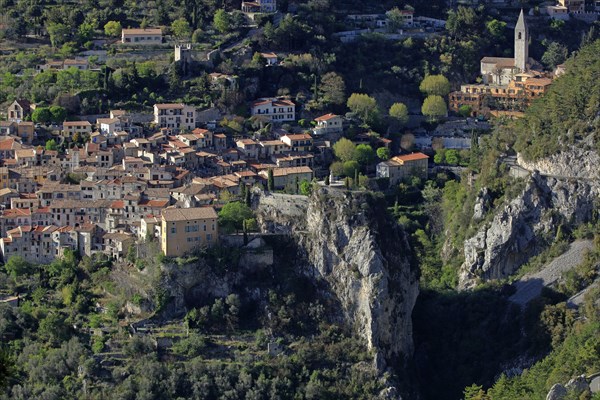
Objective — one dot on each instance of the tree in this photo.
(351, 168)
(41, 115)
(58, 33)
(51, 145)
(496, 28)
(113, 28)
(181, 29)
(383, 153)
(440, 156)
(395, 18)
(270, 180)
(555, 54)
(85, 32)
(233, 214)
(399, 112)
(258, 60)
(465, 110)
(337, 168)
(58, 113)
(452, 157)
(464, 23)
(434, 107)
(365, 106)
(17, 266)
(364, 154)
(344, 149)
(333, 89)
(222, 21)
(305, 187)
(435, 85)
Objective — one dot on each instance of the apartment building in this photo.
(184, 230)
(175, 117)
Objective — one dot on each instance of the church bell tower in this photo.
(521, 43)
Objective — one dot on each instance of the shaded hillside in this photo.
(568, 112)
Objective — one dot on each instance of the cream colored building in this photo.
(401, 167)
(72, 127)
(146, 36)
(287, 177)
(186, 229)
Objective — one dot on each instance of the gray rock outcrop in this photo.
(518, 229)
(557, 392)
(347, 240)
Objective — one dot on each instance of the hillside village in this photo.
(99, 184)
(308, 199)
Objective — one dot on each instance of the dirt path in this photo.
(530, 286)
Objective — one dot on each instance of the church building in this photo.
(501, 70)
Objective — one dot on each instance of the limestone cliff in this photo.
(347, 239)
(562, 193)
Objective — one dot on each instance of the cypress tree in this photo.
(270, 181)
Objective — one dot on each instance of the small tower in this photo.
(183, 57)
(521, 43)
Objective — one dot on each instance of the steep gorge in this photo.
(347, 239)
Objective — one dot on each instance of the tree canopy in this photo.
(437, 85)
(233, 215)
(434, 107)
(344, 149)
(364, 106)
(399, 112)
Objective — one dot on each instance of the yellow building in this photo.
(186, 229)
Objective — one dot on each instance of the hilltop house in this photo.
(145, 36)
(286, 177)
(400, 167)
(274, 109)
(328, 123)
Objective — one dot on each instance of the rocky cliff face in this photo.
(347, 240)
(563, 193)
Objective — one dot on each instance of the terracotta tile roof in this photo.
(410, 157)
(140, 31)
(117, 204)
(298, 136)
(326, 117)
(186, 214)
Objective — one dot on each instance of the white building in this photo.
(175, 116)
(274, 109)
(328, 123)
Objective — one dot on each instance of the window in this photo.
(173, 230)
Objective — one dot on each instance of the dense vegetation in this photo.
(69, 337)
(568, 113)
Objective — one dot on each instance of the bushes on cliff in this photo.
(568, 112)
